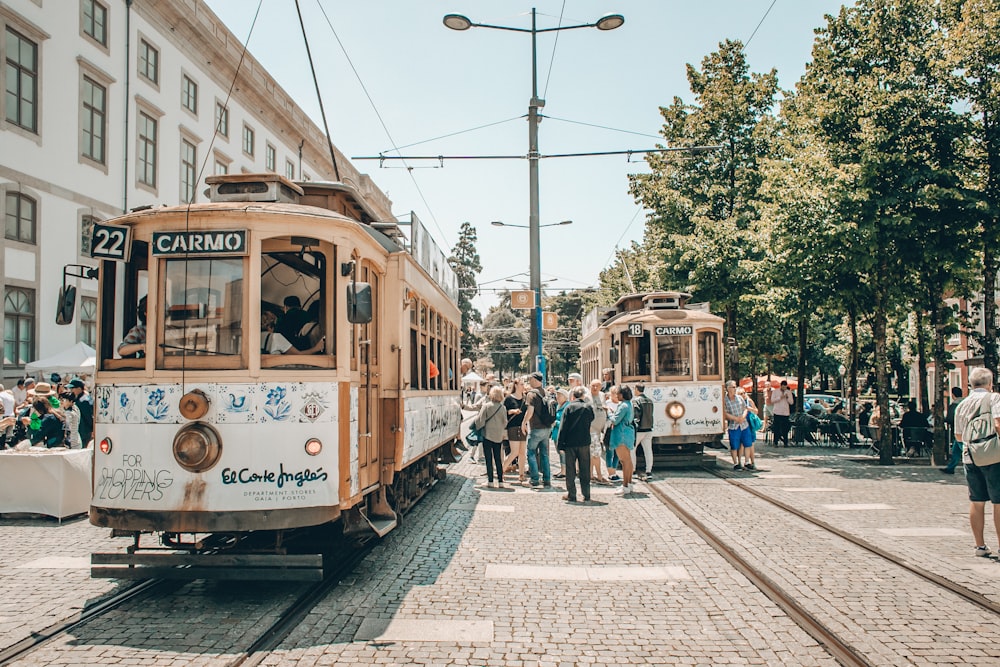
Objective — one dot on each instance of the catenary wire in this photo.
(555, 45)
(747, 43)
(455, 134)
(381, 120)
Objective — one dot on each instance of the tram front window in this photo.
(708, 356)
(635, 356)
(673, 356)
(203, 314)
(292, 289)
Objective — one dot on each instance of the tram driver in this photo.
(272, 342)
(134, 343)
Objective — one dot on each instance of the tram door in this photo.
(368, 392)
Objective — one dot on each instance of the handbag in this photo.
(476, 435)
(754, 421)
(980, 437)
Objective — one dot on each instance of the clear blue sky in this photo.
(426, 81)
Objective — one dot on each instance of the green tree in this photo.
(505, 336)
(704, 206)
(881, 111)
(464, 261)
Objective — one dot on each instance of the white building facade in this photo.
(111, 105)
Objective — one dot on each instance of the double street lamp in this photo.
(607, 22)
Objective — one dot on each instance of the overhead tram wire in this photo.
(381, 120)
(555, 45)
(690, 149)
(759, 24)
(319, 97)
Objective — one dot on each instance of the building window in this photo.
(289, 170)
(189, 165)
(146, 150)
(94, 119)
(149, 62)
(88, 320)
(86, 233)
(95, 21)
(189, 94)
(248, 140)
(21, 97)
(21, 214)
(270, 157)
(18, 327)
(221, 168)
(222, 119)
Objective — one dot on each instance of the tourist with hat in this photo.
(85, 405)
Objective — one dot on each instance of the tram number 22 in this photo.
(110, 242)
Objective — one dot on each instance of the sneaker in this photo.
(614, 478)
(737, 467)
(500, 485)
(983, 552)
(749, 466)
(649, 475)
(947, 471)
(490, 485)
(559, 475)
(621, 490)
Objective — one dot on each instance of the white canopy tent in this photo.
(77, 360)
(472, 378)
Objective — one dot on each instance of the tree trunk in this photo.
(991, 262)
(921, 364)
(884, 425)
(852, 315)
(942, 360)
(803, 339)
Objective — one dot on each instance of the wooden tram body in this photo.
(675, 350)
(208, 435)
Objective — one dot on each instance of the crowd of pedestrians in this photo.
(49, 414)
(596, 430)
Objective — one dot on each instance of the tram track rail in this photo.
(40, 638)
(964, 592)
(841, 651)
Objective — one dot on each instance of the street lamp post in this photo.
(607, 22)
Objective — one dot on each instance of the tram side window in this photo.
(203, 308)
(293, 299)
(124, 287)
(673, 356)
(708, 356)
(636, 355)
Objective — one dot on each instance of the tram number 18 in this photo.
(110, 242)
(635, 329)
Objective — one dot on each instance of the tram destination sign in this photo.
(218, 242)
(673, 331)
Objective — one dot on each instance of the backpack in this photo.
(980, 437)
(547, 415)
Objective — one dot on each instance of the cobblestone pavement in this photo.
(477, 576)
(45, 573)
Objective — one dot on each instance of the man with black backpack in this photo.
(642, 407)
(538, 420)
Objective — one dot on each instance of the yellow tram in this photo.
(673, 348)
(209, 429)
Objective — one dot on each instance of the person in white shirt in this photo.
(983, 481)
(7, 405)
(781, 401)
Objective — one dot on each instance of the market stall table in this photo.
(53, 482)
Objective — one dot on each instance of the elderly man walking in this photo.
(983, 481)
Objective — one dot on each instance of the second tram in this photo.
(673, 348)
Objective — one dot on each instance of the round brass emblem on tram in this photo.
(197, 447)
(194, 404)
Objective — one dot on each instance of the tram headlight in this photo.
(105, 445)
(675, 410)
(313, 446)
(197, 447)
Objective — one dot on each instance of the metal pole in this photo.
(535, 349)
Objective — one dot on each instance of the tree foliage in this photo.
(464, 261)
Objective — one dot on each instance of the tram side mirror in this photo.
(613, 356)
(66, 305)
(359, 303)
